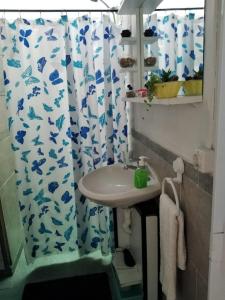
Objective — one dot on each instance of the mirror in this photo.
(177, 53)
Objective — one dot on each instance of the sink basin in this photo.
(113, 186)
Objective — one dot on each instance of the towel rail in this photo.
(178, 167)
(170, 181)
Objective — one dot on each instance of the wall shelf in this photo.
(132, 40)
(149, 40)
(128, 41)
(129, 7)
(167, 101)
(150, 5)
(128, 70)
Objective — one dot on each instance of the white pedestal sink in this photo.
(113, 186)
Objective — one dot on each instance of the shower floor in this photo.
(64, 266)
(85, 287)
(51, 268)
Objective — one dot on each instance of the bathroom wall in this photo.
(2, 265)
(10, 224)
(163, 133)
(196, 200)
(178, 129)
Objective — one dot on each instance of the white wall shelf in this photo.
(128, 41)
(167, 101)
(149, 40)
(150, 5)
(129, 7)
(144, 41)
(128, 70)
(132, 40)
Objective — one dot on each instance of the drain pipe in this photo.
(127, 220)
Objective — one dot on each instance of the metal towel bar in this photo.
(170, 181)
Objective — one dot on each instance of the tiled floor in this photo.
(51, 267)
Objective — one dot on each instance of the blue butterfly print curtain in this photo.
(181, 42)
(66, 118)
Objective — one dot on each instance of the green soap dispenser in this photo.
(141, 175)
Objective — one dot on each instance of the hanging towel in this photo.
(172, 245)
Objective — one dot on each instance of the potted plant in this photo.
(150, 85)
(193, 85)
(166, 85)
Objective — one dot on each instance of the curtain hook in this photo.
(20, 16)
(64, 14)
(3, 16)
(67, 18)
(40, 15)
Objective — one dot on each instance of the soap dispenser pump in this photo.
(141, 174)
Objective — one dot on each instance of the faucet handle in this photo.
(124, 156)
(142, 157)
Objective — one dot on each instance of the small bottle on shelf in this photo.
(130, 92)
(126, 33)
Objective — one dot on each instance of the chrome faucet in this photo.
(127, 166)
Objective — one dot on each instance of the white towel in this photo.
(172, 245)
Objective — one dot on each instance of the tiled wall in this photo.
(10, 225)
(2, 265)
(196, 200)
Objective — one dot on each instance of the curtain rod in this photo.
(113, 10)
(58, 10)
(183, 8)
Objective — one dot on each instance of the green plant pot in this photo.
(167, 89)
(192, 87)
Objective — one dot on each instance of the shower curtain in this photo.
(66, 118)
(181, 42)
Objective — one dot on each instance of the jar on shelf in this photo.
(142, 92)
(150, 61)
(149, 32)
(126, 33)
(127, 62)
(130, 93)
